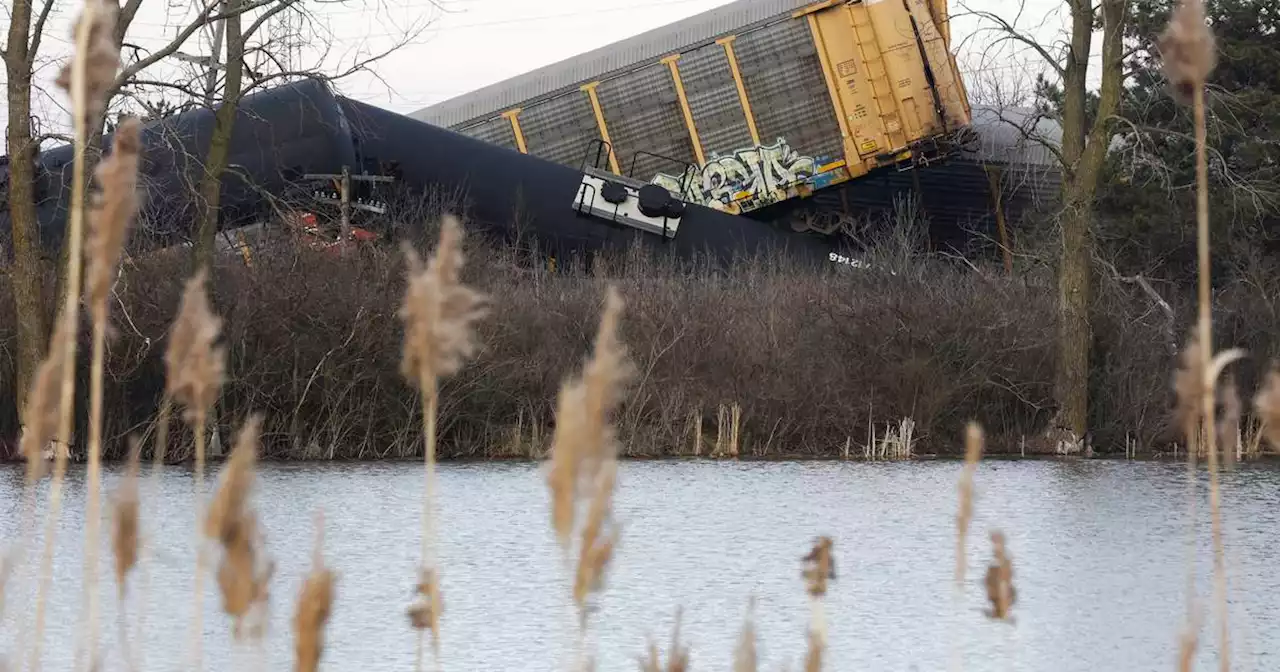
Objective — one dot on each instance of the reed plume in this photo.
(109, 220)
(86, 79)
(439, 314)
(101, 60)
(584, 451)
(999, 581)
(1267, 406)
(677, 660)
(596, 546)
(1188, 642)
(124, 540)
(124, 532)
(744, 656)
(315, 603)
(1188, 51)
(584, 439)
(819, 568)
(194, 366)
(194, 372)
(243, 573)
(973, 446)
(6, 569)
(43, 410)
(1229, 430)
(114, 208)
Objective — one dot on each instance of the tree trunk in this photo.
(1075, 335)
(216, 160)
(1083, 152)
(27, 272)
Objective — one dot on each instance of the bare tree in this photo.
(20, 54)
(21, 49)
(26, 30)
(260, 54)
(1086, 121)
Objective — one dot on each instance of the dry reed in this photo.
(315, 604)
(6, 569)
(819, 568)
(44, 404)
(84, 79)
(1188, 50)
(1267, 406)
(973, 447)
(584, 453)
(1229, 430)
(678, 657)
(158, 452)
(109, 220)
(243, 573)
(596, 546)
(745, 658)
(194, 366)
(194, 372)
(124, 540)
(439, 313)
(999, 580)
(584, 439)
(124, 532)
(1188, 642)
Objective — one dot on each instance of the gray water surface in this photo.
(1100, 553)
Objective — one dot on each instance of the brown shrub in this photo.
(813, 356)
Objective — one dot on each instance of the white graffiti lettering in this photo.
(754, 173)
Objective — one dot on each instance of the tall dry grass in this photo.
(439, 314)
(85, 79)
(1187, 47)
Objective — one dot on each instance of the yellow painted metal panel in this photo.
(896, 26)
(876, 68)
(941, 18)
(684, 107)
(727, 43)
(933, 24)
(513, 117)
(890, 25)
(859, 73)
(826, 49)
(815, 7)
(590, 90)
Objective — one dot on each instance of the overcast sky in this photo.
(468, 44)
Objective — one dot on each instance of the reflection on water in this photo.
(1099, 548)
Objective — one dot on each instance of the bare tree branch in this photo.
(125, 19)
(1012, 33)
(181, 38)
(38, 32)
(253, 27)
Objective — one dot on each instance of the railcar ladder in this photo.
(878, 74)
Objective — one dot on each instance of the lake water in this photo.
(1100, 553)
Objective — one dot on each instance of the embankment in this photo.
(815, 360)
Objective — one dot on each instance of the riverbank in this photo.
(765, 360)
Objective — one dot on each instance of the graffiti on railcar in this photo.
(745, 179)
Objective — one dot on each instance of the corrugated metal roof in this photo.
(619, 56)
(1015, 136)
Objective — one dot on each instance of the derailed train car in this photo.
(749, 105)
(279, 135)
(283, 134)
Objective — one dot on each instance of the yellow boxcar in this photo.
(744, 106)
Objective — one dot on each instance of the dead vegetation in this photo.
(438, 313)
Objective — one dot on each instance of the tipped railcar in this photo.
(747, 106)
(284, 134)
